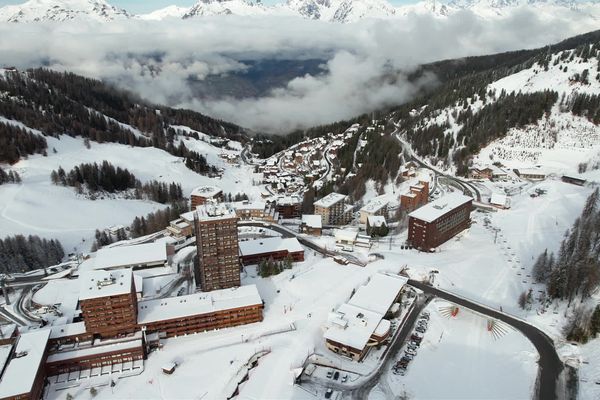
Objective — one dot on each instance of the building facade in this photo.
(276, 248)
(417, 196)
(374, 207)
(201, 312)
(108, 302)
(289, 207)
(218, 251)
(437, 222)
(333, 209)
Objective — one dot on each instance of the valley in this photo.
(443, 245)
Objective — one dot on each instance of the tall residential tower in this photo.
(217, 242)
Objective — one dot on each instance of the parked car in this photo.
(407, 358)
(416, 338)
(344, 378)
(415, 343)
(336, 375)
(420, 329)
(329, 374)
(410, 352)
(412, 345)
(328, 393)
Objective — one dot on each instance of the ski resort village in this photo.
(150, 252)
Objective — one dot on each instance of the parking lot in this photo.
(413, 342)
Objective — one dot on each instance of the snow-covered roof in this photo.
(288, 200)
(125, 256)
(498, 199)
(330, 200)
(376, 220)
(530, 171)
(97, 349)
(269, 245)
(247, 205)
(197, 304)
(210, 212)
(60, 331)
(7, 330)
(374, 205)
(346, 235)
(206, 191)
(19, 375)
(101, 283)
(312, 220)
(356, 321)
(434, 210)
(352, 326)
(188, 216)
(379, 293)
(383, 327)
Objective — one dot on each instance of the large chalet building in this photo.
(438, 221)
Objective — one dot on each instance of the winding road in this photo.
(466, 187)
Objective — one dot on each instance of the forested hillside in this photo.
(573, 274)
(64, 103)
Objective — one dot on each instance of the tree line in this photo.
(20, 254)
(269, 267)
(16, 142)
(10, 177)
(105, 177)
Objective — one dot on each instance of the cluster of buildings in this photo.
(364, 321)
(115, 326)
(490, 172)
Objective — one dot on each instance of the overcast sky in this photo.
(143, 6)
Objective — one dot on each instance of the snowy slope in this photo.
(38, 207)
(61, 10)
(561, 140)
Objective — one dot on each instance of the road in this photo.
(466, 187)
(550, 365)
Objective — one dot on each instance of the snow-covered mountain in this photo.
(342, 11)
(204, 8)
(61, 10)
(165, 13)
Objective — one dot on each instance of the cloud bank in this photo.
(367, 62)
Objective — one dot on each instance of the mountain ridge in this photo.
(340, 11)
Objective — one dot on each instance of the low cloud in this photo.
(366, 69)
